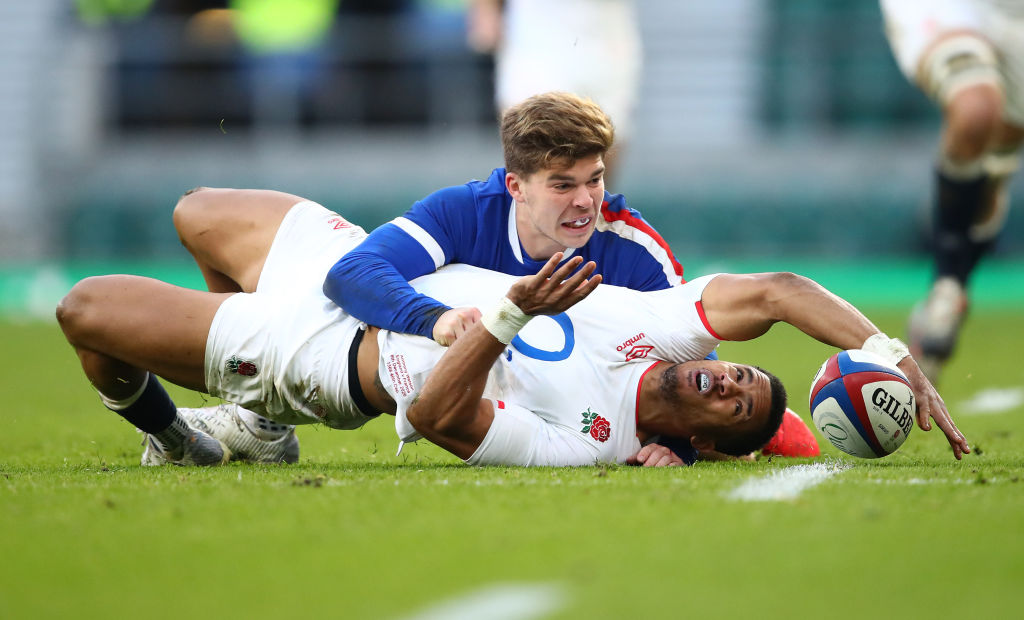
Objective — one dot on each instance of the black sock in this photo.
(153, 411)
(958, 200)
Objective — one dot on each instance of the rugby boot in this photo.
(250, 437)
(935, 325)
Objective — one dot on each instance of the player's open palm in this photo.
(554, 289)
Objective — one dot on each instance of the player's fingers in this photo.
(940, 414)
(568, 286)
(584, 289)
(565, 272)
(956, 439)
(550, 266)
(663, 457)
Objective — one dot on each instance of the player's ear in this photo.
(702, 444)
(513, 183)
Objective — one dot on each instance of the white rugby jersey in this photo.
(578, 372)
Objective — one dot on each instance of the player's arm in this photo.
(742, 307)
(372, 281)
(450, 410)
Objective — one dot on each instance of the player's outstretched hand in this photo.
(931, 405)
(553, 290)
(654, 455)
(453, 324)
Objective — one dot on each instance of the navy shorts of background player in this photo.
(475, 224)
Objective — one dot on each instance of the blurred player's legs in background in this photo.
(968, 57)
(587, 47)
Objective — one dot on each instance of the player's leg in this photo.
(128, 329)
(960, 71)
(229, 233)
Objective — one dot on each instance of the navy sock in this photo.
(153, 411)
(957, 203)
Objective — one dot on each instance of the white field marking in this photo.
(993, 400)
(502, 601)
(786, 483)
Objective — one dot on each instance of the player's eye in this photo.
(739, 375)
(739, 407)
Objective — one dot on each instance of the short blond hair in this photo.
(553, 129)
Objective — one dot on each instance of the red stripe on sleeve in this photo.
(501, 404)
(704, 320)
(637, 223)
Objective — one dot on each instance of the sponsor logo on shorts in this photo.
(598, 427)
(239, 366)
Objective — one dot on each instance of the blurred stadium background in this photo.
(765, 127)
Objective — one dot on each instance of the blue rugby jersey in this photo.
(475, 224)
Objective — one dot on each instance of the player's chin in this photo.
(576, 238)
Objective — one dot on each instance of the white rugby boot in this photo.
(935, 325)
(198, 448)
(249, 436)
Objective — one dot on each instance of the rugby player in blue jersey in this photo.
(549, 198)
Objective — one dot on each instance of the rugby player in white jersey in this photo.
(580, 387)
(968, 57)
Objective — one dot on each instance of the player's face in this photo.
(720, 395)
(556, 208)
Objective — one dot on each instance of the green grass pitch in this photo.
(354, 532)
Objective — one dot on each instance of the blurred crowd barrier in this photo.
(763, 127)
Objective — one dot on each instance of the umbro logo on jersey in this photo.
(339, 223)
(635, 339)
(640, 351)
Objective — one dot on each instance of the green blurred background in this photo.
(765, 129)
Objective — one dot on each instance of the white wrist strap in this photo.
(505, 320)
(892, 349)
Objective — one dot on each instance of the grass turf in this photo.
(353, 531)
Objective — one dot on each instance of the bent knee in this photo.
(77, 313)
(973, 121)
(188, 211)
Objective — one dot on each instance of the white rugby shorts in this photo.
(283, 350)
(913, 26)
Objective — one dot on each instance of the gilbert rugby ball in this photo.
(862, 404)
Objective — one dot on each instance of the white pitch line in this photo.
(505, 601)
(785, 484)
(993, 400)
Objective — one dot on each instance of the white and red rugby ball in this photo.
(862, 403)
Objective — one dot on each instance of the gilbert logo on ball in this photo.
(862, 404)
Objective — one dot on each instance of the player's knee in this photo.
(187, 211)
(76, 313)
(973, 120)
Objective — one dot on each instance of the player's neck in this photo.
(658, 413)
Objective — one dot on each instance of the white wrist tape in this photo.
(505, 320)
(892, 349)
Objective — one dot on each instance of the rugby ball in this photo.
(862, 404)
